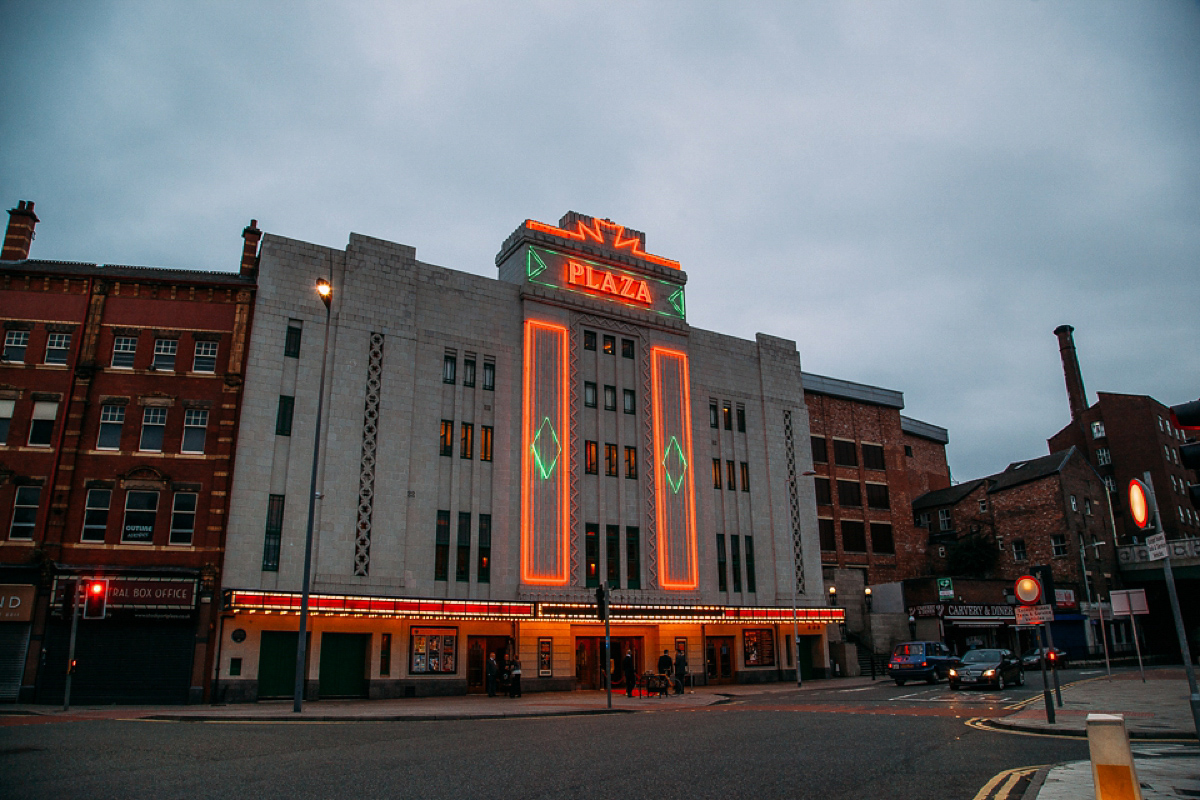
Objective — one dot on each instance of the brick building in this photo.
(119, 396)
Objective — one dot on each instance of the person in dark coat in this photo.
(514, 681)
(664, 668)
(680, 669)
(629, 670)
(493, 671)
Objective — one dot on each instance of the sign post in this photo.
(1130, 602)
(945, 587)
(1029, 591)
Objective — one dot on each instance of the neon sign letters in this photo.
(607, 282)
(575, 274)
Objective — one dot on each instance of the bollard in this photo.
(1113, 771)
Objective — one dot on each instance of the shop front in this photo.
(967, 626)
(16, 617)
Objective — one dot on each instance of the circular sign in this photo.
(1029, 590)
(1139, 506)
(238, 635)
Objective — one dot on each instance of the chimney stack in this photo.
(1076, 395)
(19, 237)
(252, 235)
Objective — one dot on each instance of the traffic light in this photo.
(1045, 576)
(601, 603)
(1051, 659)
(1139, 503)
(1186, 416)
(95, 601)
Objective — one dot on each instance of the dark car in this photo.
(1057, 659)
(987, 667)
(920, 661)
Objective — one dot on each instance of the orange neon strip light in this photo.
(288, 603)
(531, 471)
(661, 489)
(598, 232)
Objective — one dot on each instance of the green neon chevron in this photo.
(545, 469)
(534, 265)
(681, 463)
(676, 301)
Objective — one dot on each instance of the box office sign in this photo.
(139, 593)
(16, 602)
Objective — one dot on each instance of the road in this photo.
(877, 741)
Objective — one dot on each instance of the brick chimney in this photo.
(1076, 395)
(252, 235)
(19, 237)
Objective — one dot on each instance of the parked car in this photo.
(915, 661)
(987, 667)
(1058, 658)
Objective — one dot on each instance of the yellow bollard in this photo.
(1113, 771)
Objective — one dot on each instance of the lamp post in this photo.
(833, 595)
(867, 628)
(795, 582)
(325, 291)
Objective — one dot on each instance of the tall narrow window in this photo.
(713, 415)
(124, 351)
(610, 345)
(183, 518)
(716, 473)
(154, 422)
(589, 340)
(273, 533)
(824, 494)
(15, 343)
(41, 428)
(630, 401)
(6, 413)
(627, 348)
(441, 547)
(591, 458)
(631, 465)
(745, 468)
(881, 538)
(610, 398)
(1018, 547)
(462, 563)
(449, 368)
(633, 557)
(610, 460)
(945, 521)
(735, 550)
(741, 419)
(141, 513)
(750, 581)
(291, 344)
(727, 415)
(283, 416)
(466, 441)
(722, 581)
(25, 508)
(828, 538)
(612, 555)
(446, 438)
(873, 456)
(820, 452)
(485, 442)
(483, 570)
(164, 354)
(205, 357)
(730, 477)
(57, 346)
(589, 394)
(591, 555)
(489, 376)
(1104, 455)
(468, 372)
(95, 515)
(195, 426)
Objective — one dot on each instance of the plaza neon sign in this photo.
(572, 273)
(607, 282)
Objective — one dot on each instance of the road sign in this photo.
(1028, 590)
(1156, 546)
(945, 589)
(1034, 615)
(1129, 601)
(1139, 503)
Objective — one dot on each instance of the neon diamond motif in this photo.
(545, 449)
(678, 463)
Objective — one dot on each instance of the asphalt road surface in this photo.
(879, 741)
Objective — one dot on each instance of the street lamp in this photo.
(325, 292)
(833, 595)
(795, 582)
(867, 597)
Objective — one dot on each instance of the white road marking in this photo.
(863, 689)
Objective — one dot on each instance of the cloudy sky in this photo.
(918, 193)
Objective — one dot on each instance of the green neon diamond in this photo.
(678, 463)
(677, 302)
(545, 453)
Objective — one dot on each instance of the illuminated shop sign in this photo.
(621, 612)
(359, 606)
(575, 274)
(607, 281)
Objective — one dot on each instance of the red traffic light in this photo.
(1186, 415)
(1139, 503)
(97, 588)
(95, 601)
(1029, 590)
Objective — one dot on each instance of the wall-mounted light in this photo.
(833, 595)
(868, 597)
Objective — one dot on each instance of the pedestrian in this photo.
(664, 669)
(493, 671)
(629, 669)
(514, 677)
(680, 669)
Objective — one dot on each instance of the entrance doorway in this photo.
(277, 664)
(478, 648)
(718, 654)
(589, 660)
(343, 669)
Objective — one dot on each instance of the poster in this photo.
(434, 650)
(545, 658)
(759, 647)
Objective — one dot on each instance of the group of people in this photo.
(672, 672)
(512, 669)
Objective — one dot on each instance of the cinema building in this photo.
(491, 451)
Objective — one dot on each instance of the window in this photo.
(15, 343)
(727, 416)
(983, 506)
(716, 473)
(95, 515)
(873, 456)
(712, 415)
(485, 443)
(908, 451)
(735, 551)
(589, 394)
(449, 368)
(273, 533)
(164, 354)
(722, 581)
(630, 401)
(466, 441)
(1074, 504)
(591, 552)
(183, 518)
(612, 556)
(195, 424)
(741, 419)
(57, 345)
(745, 476)
(1103, 456)
(483, 568)
(854, 536)
(610, 345)
(627, 348)
(283, 416)
(610, 398)
(827, 535)
(291, 343)
(610, 460)
(591, 458)
(877, 496)
(589, 340)
(141, 511)
(6, 412)
(25, 508)
(849, 493)
(441, 547)
(385, 654)
(468, 372)
(124, 350)
(751, 583)
(1110, 482)
(633, 557)
(1097, 429)
(844, 453)
(1162, 424)
(1058, 544)
(205, 357)
(41, 428)
(489, 376)
(446, 438)
(824, 492)
(922, 520)
(944, 521)
(820, 453)
(1018, 547)
(881, 538)
(462, 561)
(730, 477)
